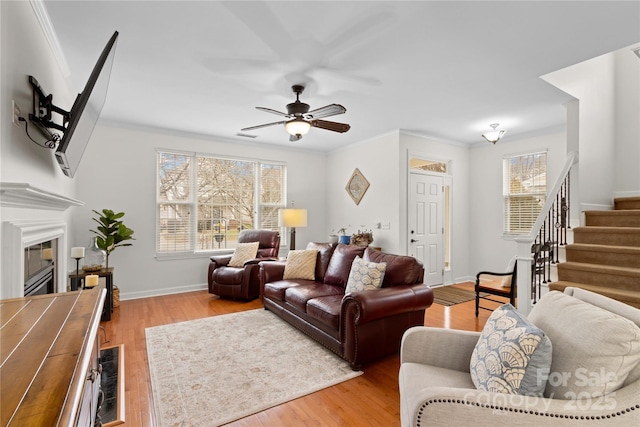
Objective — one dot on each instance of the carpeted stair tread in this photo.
(605, 275)
(628, 297)
(613, 218)
(627, 203)
(615, 236)
(621, 256)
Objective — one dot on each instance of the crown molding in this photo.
(50, 34)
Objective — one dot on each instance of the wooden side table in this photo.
(107, 273)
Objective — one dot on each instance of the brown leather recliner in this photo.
(243, 282)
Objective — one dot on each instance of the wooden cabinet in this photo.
(49, 359)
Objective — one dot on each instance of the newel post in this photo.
(524, 286)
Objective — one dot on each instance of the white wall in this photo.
(25, 51)
(627, 121)
(378, 161)
(608, 91)
(118, 172)
(488, 250)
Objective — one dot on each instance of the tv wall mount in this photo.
(42, 116)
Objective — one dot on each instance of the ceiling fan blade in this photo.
(294, 138)
(263, 126)
(333, 126)
(272, 111)
(326, 111)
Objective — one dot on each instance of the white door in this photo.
(426, 227)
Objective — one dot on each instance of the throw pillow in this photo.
(365, 275)
(244, 252)
(511, 356)
(506, 280)
(594, 350)
(301, 264)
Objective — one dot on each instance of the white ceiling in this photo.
(443, 69)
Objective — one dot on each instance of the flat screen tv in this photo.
(79, 122)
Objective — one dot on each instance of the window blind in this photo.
(524, 190)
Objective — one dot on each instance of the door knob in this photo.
(413, 240)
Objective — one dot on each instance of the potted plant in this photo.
(343, 238)
(111, 232)
(362, 238)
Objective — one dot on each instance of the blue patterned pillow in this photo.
(512, 355)
(365, 275)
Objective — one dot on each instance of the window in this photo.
(524, 191)
(205, 201)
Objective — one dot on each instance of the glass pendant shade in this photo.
(298, 126)
(494, 135)
(94, 257)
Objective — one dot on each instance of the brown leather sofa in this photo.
(359, 327)
(243, 282)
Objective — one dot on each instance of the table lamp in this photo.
(77, 253)
(293, 218)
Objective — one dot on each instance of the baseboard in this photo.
(163, 291)
(620, 194)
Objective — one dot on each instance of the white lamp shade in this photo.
(293, 217)
(297, 127)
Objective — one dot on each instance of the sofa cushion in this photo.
(325, 250)
(326, 310)
(228, 275)
(340, 265)
(298, 296)
(365, 275)
(301, 264)
(609, 346)
(244, 252)
(276, 290)
(506, 280)
(401, 269)
(511, 356)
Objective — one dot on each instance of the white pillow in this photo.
(244, 252)
(301, 264)
(365, 275)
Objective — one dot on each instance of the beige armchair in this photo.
(436, 386)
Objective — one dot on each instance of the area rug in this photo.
(450, 295)
(215, 370)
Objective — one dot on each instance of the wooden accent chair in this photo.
(490, 283)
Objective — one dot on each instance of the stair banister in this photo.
(525, 242)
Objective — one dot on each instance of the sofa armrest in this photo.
(271, 271)
(221, 260)
(459, 406)
(259, 260)
(433, 346)
(385, 302)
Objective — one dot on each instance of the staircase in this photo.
(605, 255)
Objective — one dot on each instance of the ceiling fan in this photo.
(300, 119)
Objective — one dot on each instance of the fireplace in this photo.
(31, 217)
(39, 268)
(23, 247)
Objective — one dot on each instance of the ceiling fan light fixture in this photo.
(495, 134)
(297, 126)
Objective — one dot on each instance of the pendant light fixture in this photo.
(495, 134)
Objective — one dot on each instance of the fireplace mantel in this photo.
(23, 195)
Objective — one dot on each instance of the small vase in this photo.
(94, 257)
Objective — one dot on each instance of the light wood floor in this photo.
(371, 399)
